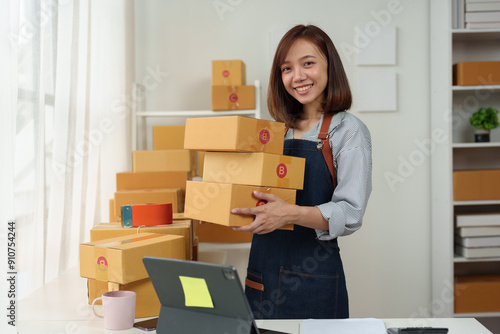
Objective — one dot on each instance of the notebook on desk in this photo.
(199, 297)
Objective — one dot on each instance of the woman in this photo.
(299, 274)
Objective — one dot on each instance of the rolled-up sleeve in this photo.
(351, 148)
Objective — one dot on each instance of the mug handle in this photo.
(93, 309)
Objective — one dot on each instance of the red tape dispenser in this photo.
(136, 215)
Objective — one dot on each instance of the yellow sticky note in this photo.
(196, 292)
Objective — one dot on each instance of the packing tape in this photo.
(101, 264)
(285, 159)
(283, 180)
(232, 97)
(127, 241)
(283, 183)
(262, 135)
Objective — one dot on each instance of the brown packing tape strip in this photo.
(101, 264)
(232, 97)
(261, 135)
(283, 182)
(285, 159)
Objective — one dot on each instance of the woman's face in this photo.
(305, 73)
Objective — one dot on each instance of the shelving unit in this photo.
(138, 119)
(457, 150)
(451, 108)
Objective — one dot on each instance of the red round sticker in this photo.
(261, 202)
(225, 73)
(102, 263)
(233, 97)
(264, 136)
(281, 170)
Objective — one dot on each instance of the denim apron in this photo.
(292, 274)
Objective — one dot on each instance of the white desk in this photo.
(61, 307)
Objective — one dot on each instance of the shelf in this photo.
(142, 115)
(475, 88)
(475, 145)
(474, 34)
(477, 315)
(461, 259)
(193, 113)
(457, 203)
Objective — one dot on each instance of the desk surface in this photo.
(60, 306)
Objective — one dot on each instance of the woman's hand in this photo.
(268, 217)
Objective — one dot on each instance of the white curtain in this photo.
(68, 63)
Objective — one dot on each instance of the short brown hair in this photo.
(285, 108)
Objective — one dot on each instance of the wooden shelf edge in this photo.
(477, 315)
(461, 259)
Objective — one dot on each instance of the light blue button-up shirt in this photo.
(351, 146)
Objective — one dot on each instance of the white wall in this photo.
(388, 261)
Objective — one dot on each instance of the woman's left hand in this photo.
(268, 217)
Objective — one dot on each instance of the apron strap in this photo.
(325, 144)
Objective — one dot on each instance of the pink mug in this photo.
(118, 309)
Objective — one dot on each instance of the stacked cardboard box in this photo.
(476, 73)
(477, 293)
(243, 155)
(229, 89)
(171, 137)
(113, 261)
(159, 176)
(476, 185)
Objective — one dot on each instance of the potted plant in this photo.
(484, 120)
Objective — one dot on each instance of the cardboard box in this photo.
(168, 137)
(234, 134)
(476, 73)
(228, 72)
(233, 98)
(119, 259)
(257, 169)
(112, 211)
(158, 196)
(147, 303)
(151, 180)
(212, 202)
(476, 185)
(182, 228)
(146, 214)
(201, 162)
(161, 161)
(218, 233)
(477, 293)
(178, 216)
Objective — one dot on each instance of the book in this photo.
(460, 14)
(482, 25)
(478, 252)
(481, 231)
(478, 241)
(491, 16)
(454, 14)
(482, 6)
(478, 219)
